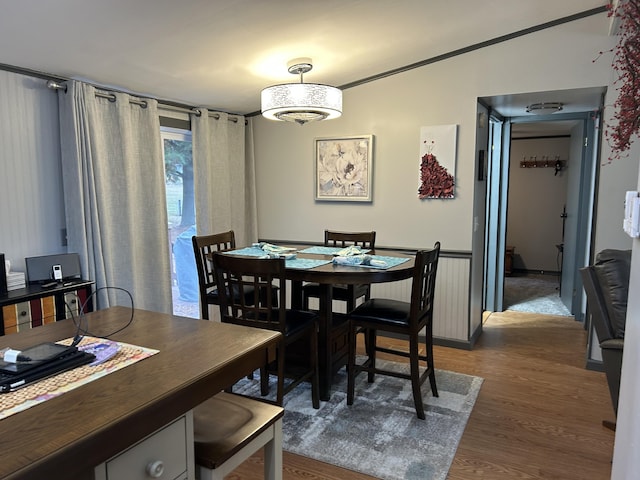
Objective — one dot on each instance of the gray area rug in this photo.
(534, 294)
(380, 434)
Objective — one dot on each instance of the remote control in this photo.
(49, 284)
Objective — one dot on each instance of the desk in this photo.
(84, 427)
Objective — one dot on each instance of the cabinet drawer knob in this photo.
(155, 469)
(23, 313)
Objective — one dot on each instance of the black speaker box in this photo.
(40, 269)
(3, 276)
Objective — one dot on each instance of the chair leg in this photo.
(429, 351)
(204, 310)
(273, 454)
(264, 381)
(415, 377)
(280, 391)
(315, 379)
(351, 364)
(370, 345)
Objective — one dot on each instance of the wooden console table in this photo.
(68, 436)
(33, 305)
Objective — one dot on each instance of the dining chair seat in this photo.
(229, 428)
(413, 320)
(385, 311)
(213, 296)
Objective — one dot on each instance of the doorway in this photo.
(580, 167)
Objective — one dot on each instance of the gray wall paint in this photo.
(536, 199)
(31, 204)
(394, 108)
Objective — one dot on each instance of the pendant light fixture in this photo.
(301, 102)
(544, 108)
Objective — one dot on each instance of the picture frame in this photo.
(344, 168)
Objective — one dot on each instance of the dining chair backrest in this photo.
(203, 247)
(423, 287)
(344, 239)
(265, 277)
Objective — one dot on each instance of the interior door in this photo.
(580, 191)
(497, 183)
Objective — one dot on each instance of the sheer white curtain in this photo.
(224, 176)
(113, 177)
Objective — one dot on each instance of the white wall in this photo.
(393, 109)
(536, 199)
(31, 204)
(626, 462)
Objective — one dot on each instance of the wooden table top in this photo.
(84, 427)
(331, 273)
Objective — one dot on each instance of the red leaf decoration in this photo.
(435, 181)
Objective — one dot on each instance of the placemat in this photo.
(297, 263)
(247, 252)
(389, 262)
(24, 398)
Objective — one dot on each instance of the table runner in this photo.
(45, 389)
(318, 250)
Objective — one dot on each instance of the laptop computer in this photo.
(44, 360)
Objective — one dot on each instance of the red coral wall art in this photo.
(626, 64)
(437, 161)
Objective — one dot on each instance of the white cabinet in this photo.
(166, 454)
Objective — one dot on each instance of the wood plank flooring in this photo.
(538, 416)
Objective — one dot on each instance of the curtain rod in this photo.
(112, 98)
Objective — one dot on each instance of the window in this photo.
(178, 167)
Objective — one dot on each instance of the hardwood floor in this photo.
(538, 416)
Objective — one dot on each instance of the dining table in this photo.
(312, 263)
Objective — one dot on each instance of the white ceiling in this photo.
(222, 53)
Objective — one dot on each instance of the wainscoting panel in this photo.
(451, 315)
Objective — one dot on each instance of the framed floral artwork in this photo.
(437, 161)
(344, 168)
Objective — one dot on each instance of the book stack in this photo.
(15, 280)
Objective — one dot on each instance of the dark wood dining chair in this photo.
(203, 247)
(267, 309)
(229, 428)
(345, 293)
(398, 317)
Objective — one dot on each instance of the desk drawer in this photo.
(165, 454)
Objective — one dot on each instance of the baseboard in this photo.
(522, 271)
(595, 365)
(442, 342)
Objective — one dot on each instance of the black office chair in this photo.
(394, 316)
(346, 293)
(266, 278)
(203, 248)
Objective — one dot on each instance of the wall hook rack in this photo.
(546, 162)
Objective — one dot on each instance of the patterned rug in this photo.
(380, 434)
(534, 294)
